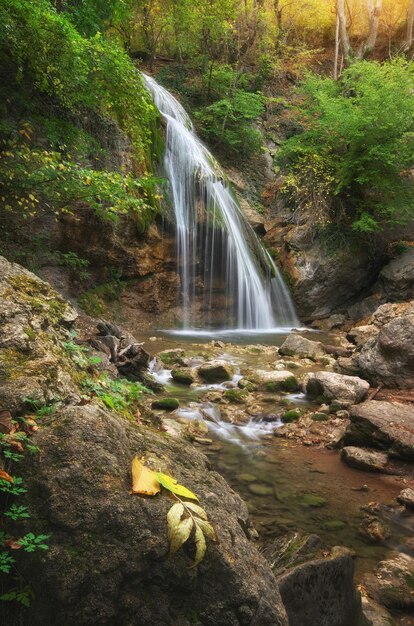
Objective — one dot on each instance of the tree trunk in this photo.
(343, 31)
(374, 14)
(337, 48)
(410, 24)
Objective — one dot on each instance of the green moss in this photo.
(291, 416)
(167, 404)
(320, 417)
(334, 524)
(39, 296)
(183, 376)
(310, 500)
(236, 395)
(30, 333)
(290, 384)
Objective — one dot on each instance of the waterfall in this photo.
(220, 258)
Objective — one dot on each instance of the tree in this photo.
(342, 30)
(410, 24)
(374, 13)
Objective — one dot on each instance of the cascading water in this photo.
(213, 236)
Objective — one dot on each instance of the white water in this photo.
(214, 237)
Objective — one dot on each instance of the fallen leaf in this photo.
(144, 480)
(180, 534)
(13, 544)
(201, 546)
(197, 510)
(171, 484)
(6, 425)
(5, 476)
(208, 529)
(174, 516)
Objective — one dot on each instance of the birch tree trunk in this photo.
(410, 24)
(343, 31)
(374, 14)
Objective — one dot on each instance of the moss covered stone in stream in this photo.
(236, 395)
(310, 500)
(291, 416)
(320, 417)
(166, 404)
(290, 384)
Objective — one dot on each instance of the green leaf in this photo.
(197, 510)
(180, 534)
(201, 546)
(208, 529)
(171, 484)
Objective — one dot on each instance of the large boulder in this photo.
(393, 583)
(338, 388)
(108, 560)
(321, 592)
(216, 371)
(388, 358)
(296, 345)
(384, 425)
(275, 380)
(396, 280)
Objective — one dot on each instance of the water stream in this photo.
(219, 257)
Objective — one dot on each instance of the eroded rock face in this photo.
(321, 591)
(108, 560)
(344, 390)
(296, 345)
(396, 280)
(388, 358)
(384, 425)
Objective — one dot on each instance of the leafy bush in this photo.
(351, 162)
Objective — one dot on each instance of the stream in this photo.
(286, 485)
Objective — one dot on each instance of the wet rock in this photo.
(393, 583)
(321, 592)
(320, 417)
(296, 345)
(260, 489)
(183, 375)
(310, 500)
(362, 459)
(406, 497)
(238, 396)
(374, 530)
(389, 357)
(274, 381)
(375, 614)
(359, 335)
(396, 280)
(166, 404)
(172, 357)
(384, 425)
(291, 416)
(330, 386)
(216, 371)
(108, 562)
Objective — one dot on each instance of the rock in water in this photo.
(344, 390)
(296, 345)
(368, 460)
(321, 592)
(216, 371)
(406, 497)
(384, 425)
(393, 583)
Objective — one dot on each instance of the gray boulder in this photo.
(275, 380)
(396, 280)
(406, 497)
(108, 560)
(216, 371)
(389, 357)
(296, 345)
(344, 390)
(321, 592)
(368, 460)
(392, 583)
(384, 425)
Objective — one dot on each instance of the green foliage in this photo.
(118, 394)
(350, 164)
(31, 542)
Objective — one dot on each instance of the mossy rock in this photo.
(290, 384)
(246, 385)
(320, 417)
(291, 416)
(310, 500)
(333, 524)
(236, 395)
(166, 404)
(183, 376)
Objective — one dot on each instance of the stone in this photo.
(375, 614)
(291, 416)
(388, 358)
(237, 395)
(216, 371)
(273, 381)
(108, 561)
(396, 280)
(260, 489)
(310, 500)
(406, 497)
(330, 386)
(362, 459)
(392, 584)
(384, 425)
(183, 375)
(166, 404)
(172, 357)
(296, 345)
(359, 335)
(373, 530)
(321, 592)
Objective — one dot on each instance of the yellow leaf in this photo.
(201, 546)
(144, 480)
(180, 534)
(171, 484)
(88, 180)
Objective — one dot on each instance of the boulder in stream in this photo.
(296, 345)
(393, 583)
(330, 387)
(272, 381)
(216, 371)
(362, 459)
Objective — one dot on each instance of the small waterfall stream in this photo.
(215, 244)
